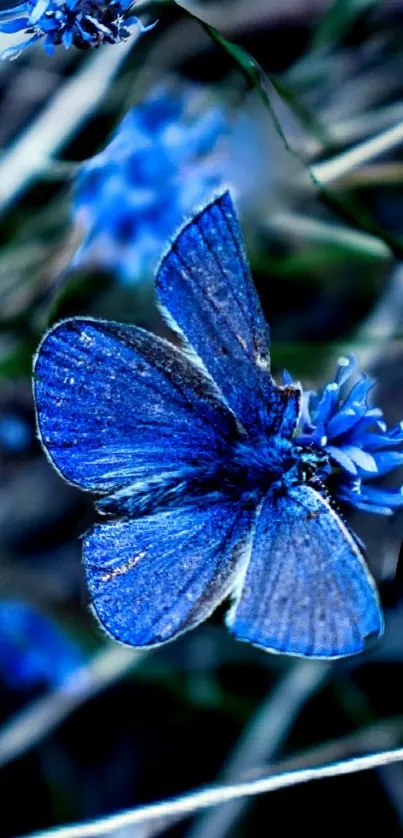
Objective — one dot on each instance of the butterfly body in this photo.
(193, 456)
(244, 472)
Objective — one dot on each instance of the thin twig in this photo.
(236, 16)
(323, 232)
(262, 738)
(350, 130)
(342, 164)
(32, 724)
(214, 795)
(381, 735)
(29, 155)
(382, 324)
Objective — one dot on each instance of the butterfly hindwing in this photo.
(205, 285)
(112, 398)
(152, 578)
(307, 590)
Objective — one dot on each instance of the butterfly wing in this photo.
(205, 285)
(152, 578)
(117, 406)
(307, 590)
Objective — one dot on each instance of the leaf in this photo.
(251, 70)
(259, 81)
(17, 363)
(338, 20)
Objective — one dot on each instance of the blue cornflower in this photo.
(33, 650)
(161, 163)
(16, 434)
(82, 23)
(356, 438)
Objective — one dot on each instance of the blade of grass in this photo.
(74, 102)
(32, 724)
(203, 798)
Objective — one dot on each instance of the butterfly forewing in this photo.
(307, 590)
(117, 405)
(205, 284)
(153, 578)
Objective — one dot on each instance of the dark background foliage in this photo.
(170, 724)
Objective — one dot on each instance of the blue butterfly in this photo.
(193, 457)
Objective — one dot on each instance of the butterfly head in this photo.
(312, 464)
(277, 463)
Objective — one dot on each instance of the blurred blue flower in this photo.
(162, 162)
(356, 438)
(16, 434)
(33, 650)
(82, 23)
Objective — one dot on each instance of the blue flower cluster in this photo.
(16, 434)
(356, 438)
(33, 650)
(79, 23)
(162, 162)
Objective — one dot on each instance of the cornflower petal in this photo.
(359, 393)
(342, 422)
(388, 460)
(17, 25)
(327, 402)
(370, 427)
(342, 458)
(345, 368)
(38, 10)
(377, 442)
(356, 438)
(13, 52)
(365, 506)
(390, 498)
(362, 459)
(397, 431)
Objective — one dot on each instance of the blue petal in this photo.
(359, 393)
(38, 10)
(362, 459)
(144, 27)
(67, 38)
(368, 429)
(17, 49)
(49, 46)
(397, 431)
(365, 506)
(342, 422)
(385, 497)
(342, 459)
(14, 25)
(326, 403)
(345, 367)
(133, 21)
(388, 460)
